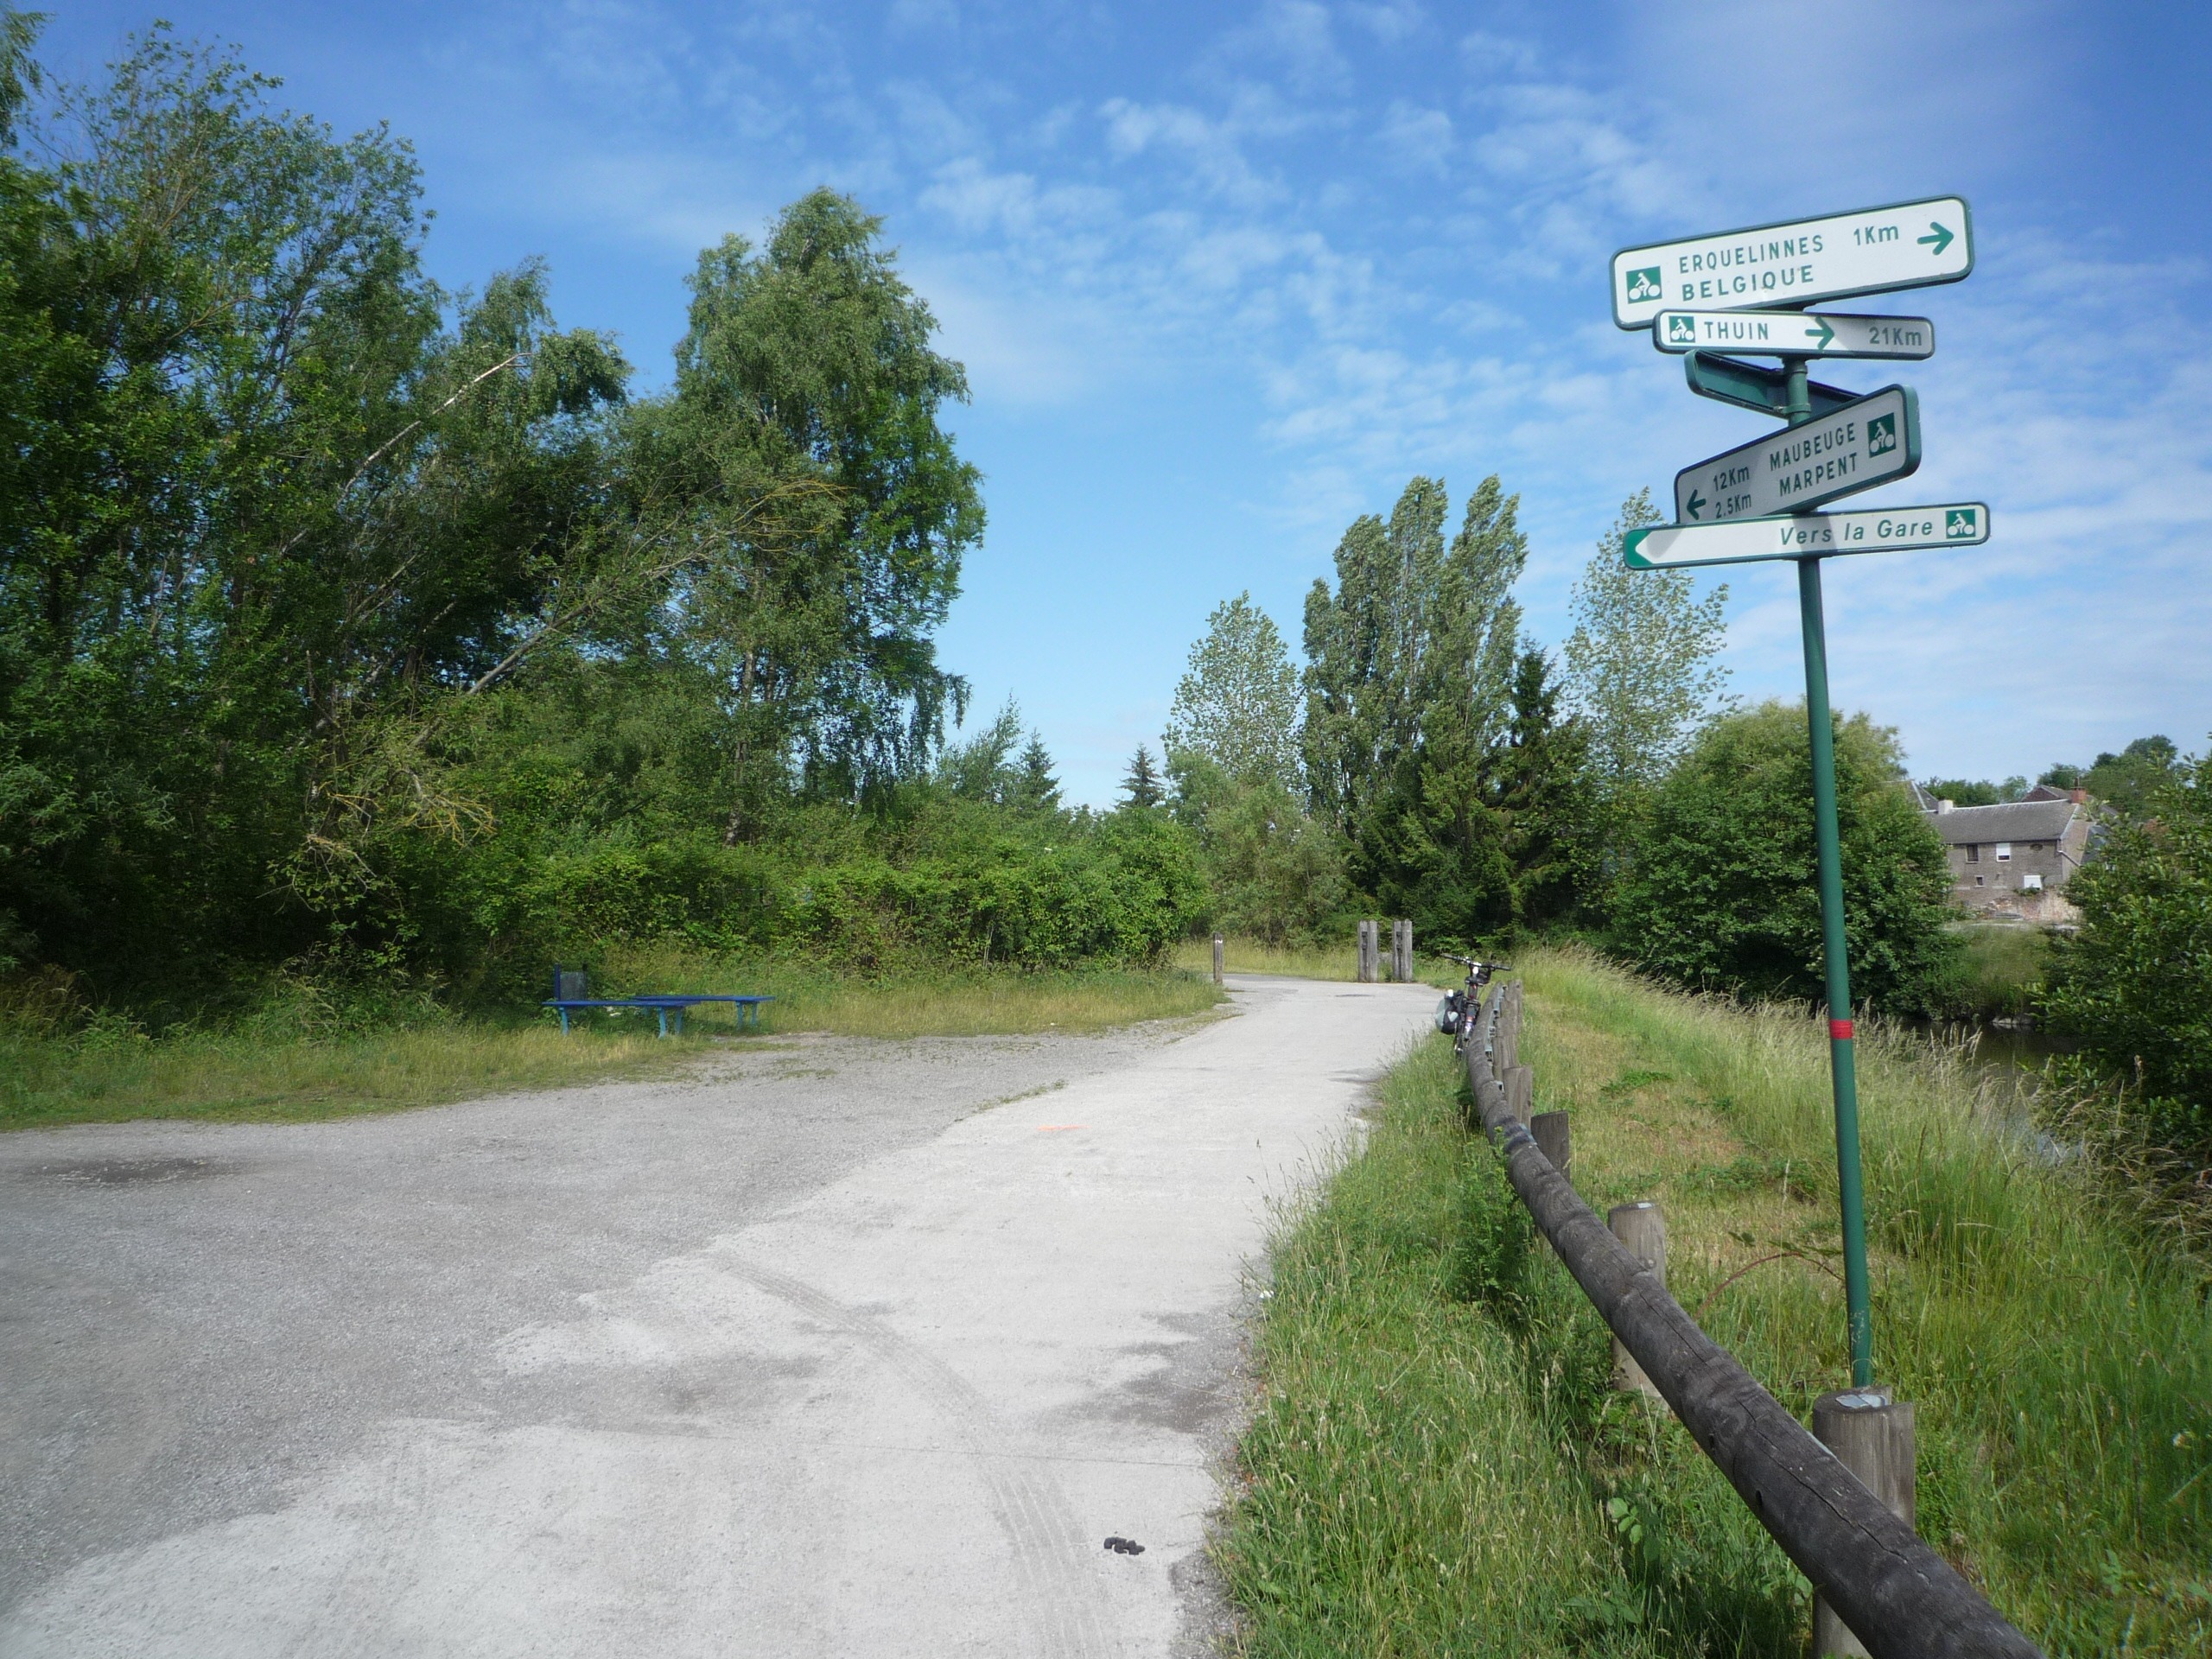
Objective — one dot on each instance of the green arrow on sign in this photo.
(1697, 505)
(1941, 240)
(1826, 334)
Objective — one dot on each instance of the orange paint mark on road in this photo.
(1053, 1128)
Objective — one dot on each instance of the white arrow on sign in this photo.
(1794, 333)
(1797, 536)
(1908, 245)
(1864, 443)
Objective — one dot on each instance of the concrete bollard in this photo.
(1642, 1229)
(1216, 959)
(1369, 954)
(1872, 1436)
(1401, 952)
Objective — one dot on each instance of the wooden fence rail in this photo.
(1899, 1597)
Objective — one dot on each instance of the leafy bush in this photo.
(2133, 986)
(1722, 894)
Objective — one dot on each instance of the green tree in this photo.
(1237, 702)
(1037, 789)
(2130, 781)
(986, 767)
(2133, 986)
(1975, 792)
(1721, 893)
(1140, 785)
(1408, 700)
(801, 458)
(1640, 659)
(270, 492)
(1544, 797)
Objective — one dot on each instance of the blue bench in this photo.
(572, 990)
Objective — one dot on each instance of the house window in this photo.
(2031, 882)
(2035, 846)
(2004, 849)
(1973, 854)
(1978, 881)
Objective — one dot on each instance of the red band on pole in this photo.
(1839, 1030)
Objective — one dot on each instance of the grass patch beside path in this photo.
(110, 1072)
(2060, 1360)
(1436, 1464)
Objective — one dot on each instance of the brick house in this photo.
(2014, 860)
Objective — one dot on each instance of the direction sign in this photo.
(1748, 385)
(1862, 444)
(1794, 333)
(1907, 245)
(1797, 536)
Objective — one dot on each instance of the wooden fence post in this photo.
(1520, 1090)
(1871, 1435)
(1553, 1138)
(1643, 1230)
(1505, 1036)
(1216, 959)
(1368, 953)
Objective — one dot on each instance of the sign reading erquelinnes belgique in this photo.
(1908, 245)
(1860, 445)
(1885, 530)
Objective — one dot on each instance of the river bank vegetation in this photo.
(1436, 1465)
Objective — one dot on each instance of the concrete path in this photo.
(821, 1353)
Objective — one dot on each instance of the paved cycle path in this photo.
(812, 1359)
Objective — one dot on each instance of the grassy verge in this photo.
(290, 1066)
(1436, 1465)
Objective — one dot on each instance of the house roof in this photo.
(2012, 821)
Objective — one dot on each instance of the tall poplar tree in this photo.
(1408, 700)
(1640, 668)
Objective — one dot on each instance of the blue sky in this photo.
(1224, 276)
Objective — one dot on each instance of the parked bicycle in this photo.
(1457, 1013)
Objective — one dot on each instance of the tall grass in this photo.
(1405, 1490)
(1435, 1403)
(296, 1055)
(2060, 1355)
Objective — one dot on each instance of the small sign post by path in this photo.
(1745, 291)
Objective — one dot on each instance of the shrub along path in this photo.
(1438, 1466)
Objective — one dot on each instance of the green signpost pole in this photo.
(1842, 1061)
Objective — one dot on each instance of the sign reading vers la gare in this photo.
(1909, 245)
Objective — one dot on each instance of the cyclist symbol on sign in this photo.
(1681, 331)
(1643, 284)
(1881, 435)
(1959, 521)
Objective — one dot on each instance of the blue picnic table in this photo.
(571, 991)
